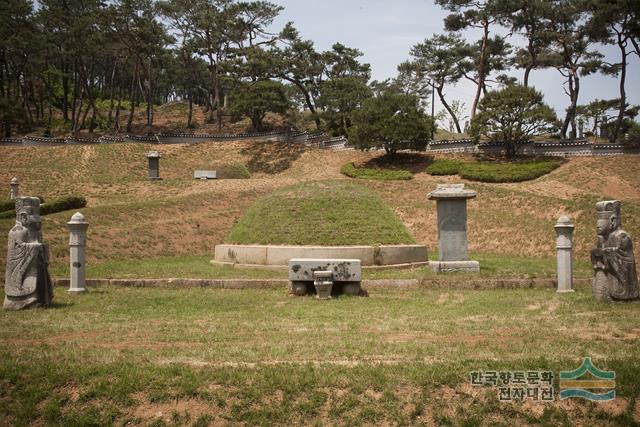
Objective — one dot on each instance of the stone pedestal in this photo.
(451, 204)
(13, 192)
(564, 234)
(154, 165)
(77, 244)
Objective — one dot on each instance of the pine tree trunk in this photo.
(481, 69)
(448, 108)
(133, 95)
(623, 94)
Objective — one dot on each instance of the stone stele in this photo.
(614, 264)
(27, 281)
(451, 204)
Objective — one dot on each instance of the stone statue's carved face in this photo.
(605, 225)
(30, 220)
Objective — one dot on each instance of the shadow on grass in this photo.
(413, 162)
(272, 157)
(62, 304)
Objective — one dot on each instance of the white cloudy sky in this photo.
(386, 30)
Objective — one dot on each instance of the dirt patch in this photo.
(426, 417)
(442, 298)
(615, 407)
(166, 411)
(636, 410)
(71, 389)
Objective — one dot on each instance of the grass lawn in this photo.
(352, 171)
(200, 356)
(200, 267)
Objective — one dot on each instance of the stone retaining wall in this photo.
(271, 255)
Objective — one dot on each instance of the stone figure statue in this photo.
(27, 282)
(613, 260)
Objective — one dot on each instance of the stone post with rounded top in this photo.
(564, 234)
(13, 193)
(77, 243)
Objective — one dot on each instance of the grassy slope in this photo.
(320, 213)
(182, 356)
(132, 218)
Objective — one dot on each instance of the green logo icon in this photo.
(571, 385)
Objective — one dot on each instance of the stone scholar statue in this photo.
(613, 260)
(27, 282)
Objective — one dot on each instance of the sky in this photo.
(386, 30)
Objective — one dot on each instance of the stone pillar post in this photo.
(13, 193)
(451, 204)
(564, 233)
(154, 165)
(77, 242)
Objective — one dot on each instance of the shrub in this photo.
(57, 205)
(444, 167)
(63, 204)
(507, 172)
(352, 171)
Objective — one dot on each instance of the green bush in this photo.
(507, 172)
(444, 167)
(57, 205)
(352, 171)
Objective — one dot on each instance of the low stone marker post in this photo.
(451, 204)
(154, 165)
(13, 193)
(564, 234)
(77, 243)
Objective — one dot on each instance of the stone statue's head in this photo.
(28, 212)
(608, 217)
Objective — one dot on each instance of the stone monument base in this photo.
(454, 266)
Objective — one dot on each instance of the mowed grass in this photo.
(328, 212)
(200, 267)
(494, 171)
(141, 356)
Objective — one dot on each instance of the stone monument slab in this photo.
(451, 206)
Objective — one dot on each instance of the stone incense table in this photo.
(154, 165)
(451, 204)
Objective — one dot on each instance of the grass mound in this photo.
(485, 171)
(232, 171)
(352, 171)
(320, 213)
